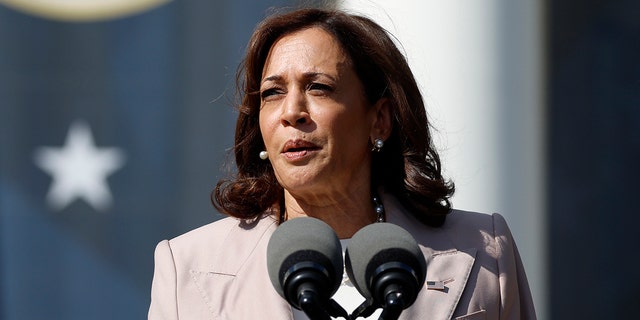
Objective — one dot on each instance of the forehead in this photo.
(312, 48)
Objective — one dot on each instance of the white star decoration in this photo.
(79, 169)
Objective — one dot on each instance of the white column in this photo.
(479, 65)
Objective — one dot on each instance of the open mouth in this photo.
(299, 147)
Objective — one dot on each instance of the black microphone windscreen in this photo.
(304, 239)
(380, 243)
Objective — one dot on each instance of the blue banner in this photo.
(112, 135)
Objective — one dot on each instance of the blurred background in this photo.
(116, 122)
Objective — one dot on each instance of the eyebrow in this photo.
(306, 75)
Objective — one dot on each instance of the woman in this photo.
(332, 125)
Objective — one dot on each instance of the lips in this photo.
(297, 149)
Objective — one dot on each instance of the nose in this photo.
(294, 109)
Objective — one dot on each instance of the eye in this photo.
(269, 94)
(319, 88)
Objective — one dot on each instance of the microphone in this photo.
(386, 265)
(304, 260)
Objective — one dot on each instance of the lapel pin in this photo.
(437, 285)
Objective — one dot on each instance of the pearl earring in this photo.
(264, 155)
(377, 145)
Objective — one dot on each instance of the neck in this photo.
(346, 214)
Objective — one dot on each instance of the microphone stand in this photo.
(391, 310)
(367, 308)
(336, 310)
(314, 309)
(395, 288)
(393, 307)
(308, 302)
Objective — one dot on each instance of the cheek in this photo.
(350, 134)
(266, 126)
(352, 125)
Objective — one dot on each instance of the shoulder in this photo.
(494, 224)
(210, 233)
(469, 220)
(477, 229)
(462, 230)
(225, 235)
(488, 234)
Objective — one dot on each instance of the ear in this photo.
(382, 124)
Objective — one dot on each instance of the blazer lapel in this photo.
(448, 268)
(447, 275)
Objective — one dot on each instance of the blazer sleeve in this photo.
(164, 285)
(515, 296)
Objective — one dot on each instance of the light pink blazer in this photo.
(219, 271)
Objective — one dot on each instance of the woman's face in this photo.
(314, 117)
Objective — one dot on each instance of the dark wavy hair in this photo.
(407, 167)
